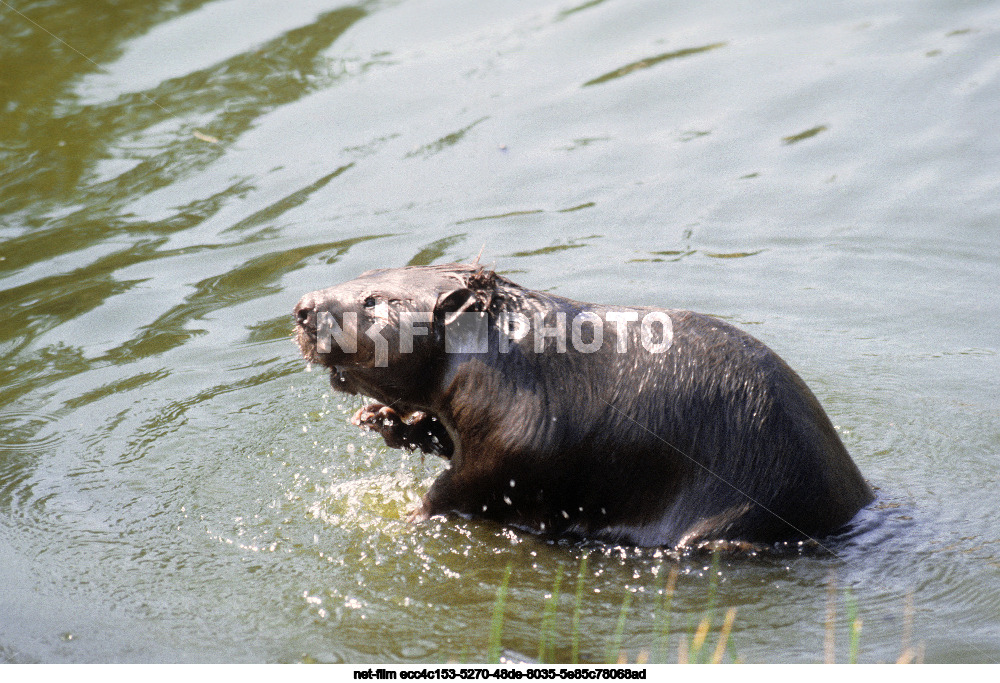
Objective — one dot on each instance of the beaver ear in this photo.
(451, 304)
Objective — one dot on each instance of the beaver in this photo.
(628, 425)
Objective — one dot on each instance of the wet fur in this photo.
(715, 440)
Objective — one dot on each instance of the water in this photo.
(174, 486)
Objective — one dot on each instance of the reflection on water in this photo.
(647, 62)
(175, 175)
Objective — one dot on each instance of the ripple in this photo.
(651, 61)
(143, 64)
(23, 446)
(28, 432)
(804, 135)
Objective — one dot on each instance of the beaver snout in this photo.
(312, 307)
(305, 312)
(327, 330)
(306, 315)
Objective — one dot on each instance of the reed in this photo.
(496, 624)
(701, 642)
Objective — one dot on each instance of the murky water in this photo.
(174, 486)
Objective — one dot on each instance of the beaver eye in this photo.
(371, 302)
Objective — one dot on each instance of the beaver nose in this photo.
(305, 311)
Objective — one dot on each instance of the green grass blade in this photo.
(576, 610)
(664, 612)
(616, 641)
(496, 626)
(546, 648)
(855, 622)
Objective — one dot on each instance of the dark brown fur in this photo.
(714, 440)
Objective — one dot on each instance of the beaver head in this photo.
(382, 334)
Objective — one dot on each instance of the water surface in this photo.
(175, 486)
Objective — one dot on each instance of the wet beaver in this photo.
(642, 426)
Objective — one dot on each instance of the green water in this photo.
(175, 486)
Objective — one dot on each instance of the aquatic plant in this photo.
(695, 644)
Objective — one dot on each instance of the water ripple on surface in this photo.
(27, 437)
(28, 432)
(652, 61)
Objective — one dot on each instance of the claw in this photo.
(373, 415)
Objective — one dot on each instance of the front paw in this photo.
(384, 420)
(374, 416)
